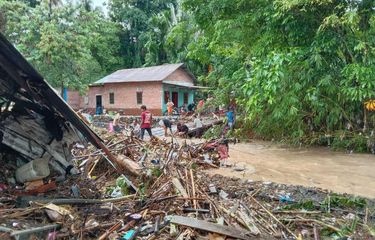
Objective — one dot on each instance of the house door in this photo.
(175, 98)
(99, 100)
(166, 96)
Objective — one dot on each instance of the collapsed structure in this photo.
(34, 121)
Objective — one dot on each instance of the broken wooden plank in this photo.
(193, 187)
(249, 221)
(36, 229)
(62, 201)
(177, 184)
(210, 227)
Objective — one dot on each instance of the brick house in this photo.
(127, 89)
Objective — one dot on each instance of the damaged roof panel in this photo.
(20, 81)
(34, 121)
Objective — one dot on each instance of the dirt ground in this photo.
(317, 167)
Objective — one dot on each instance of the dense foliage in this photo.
(68, 43)
(155, 32)
(295, 67)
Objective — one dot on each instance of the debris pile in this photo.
(161, 190)
(102, 121)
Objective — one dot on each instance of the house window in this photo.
(186, 98)
(139, 97)
(111, 98)
(86, 100)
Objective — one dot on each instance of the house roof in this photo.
(145, 74)
(184, 84)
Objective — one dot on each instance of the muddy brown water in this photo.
(318, 167)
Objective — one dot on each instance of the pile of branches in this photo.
(168, 193)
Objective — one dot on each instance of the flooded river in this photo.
(318, 167)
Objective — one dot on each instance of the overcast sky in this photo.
(99, 3)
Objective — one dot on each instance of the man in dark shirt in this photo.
(166, 124)
(191, 107)
(182, 129)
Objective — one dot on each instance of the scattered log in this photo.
(62, 201)
(177, 184)
(210, 227)
(34, 230)
(128, 164)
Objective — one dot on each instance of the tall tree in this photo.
(145, 24)
(296, 67)
(71, 46)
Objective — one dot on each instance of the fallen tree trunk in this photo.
(128, 164)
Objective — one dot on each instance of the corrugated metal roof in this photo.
(145, 74)
(21, 76)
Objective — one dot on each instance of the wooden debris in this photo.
(177, 184)
(63, 201)
(168, 169)
(59, 209)
(35, 230)
(193, 187)
(273, 216)
(110, 230)
(129, 164)
(250, 223)
(210, 227)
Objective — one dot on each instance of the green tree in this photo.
(296, 67)
(71, 46)
(145, 25)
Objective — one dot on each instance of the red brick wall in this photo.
(179, 75)
(74, 99)
(125, 97)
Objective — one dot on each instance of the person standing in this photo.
(146, 120)
(200, 105)
(116, 124)
(136, 129)
(170, 106)
(230, 118)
